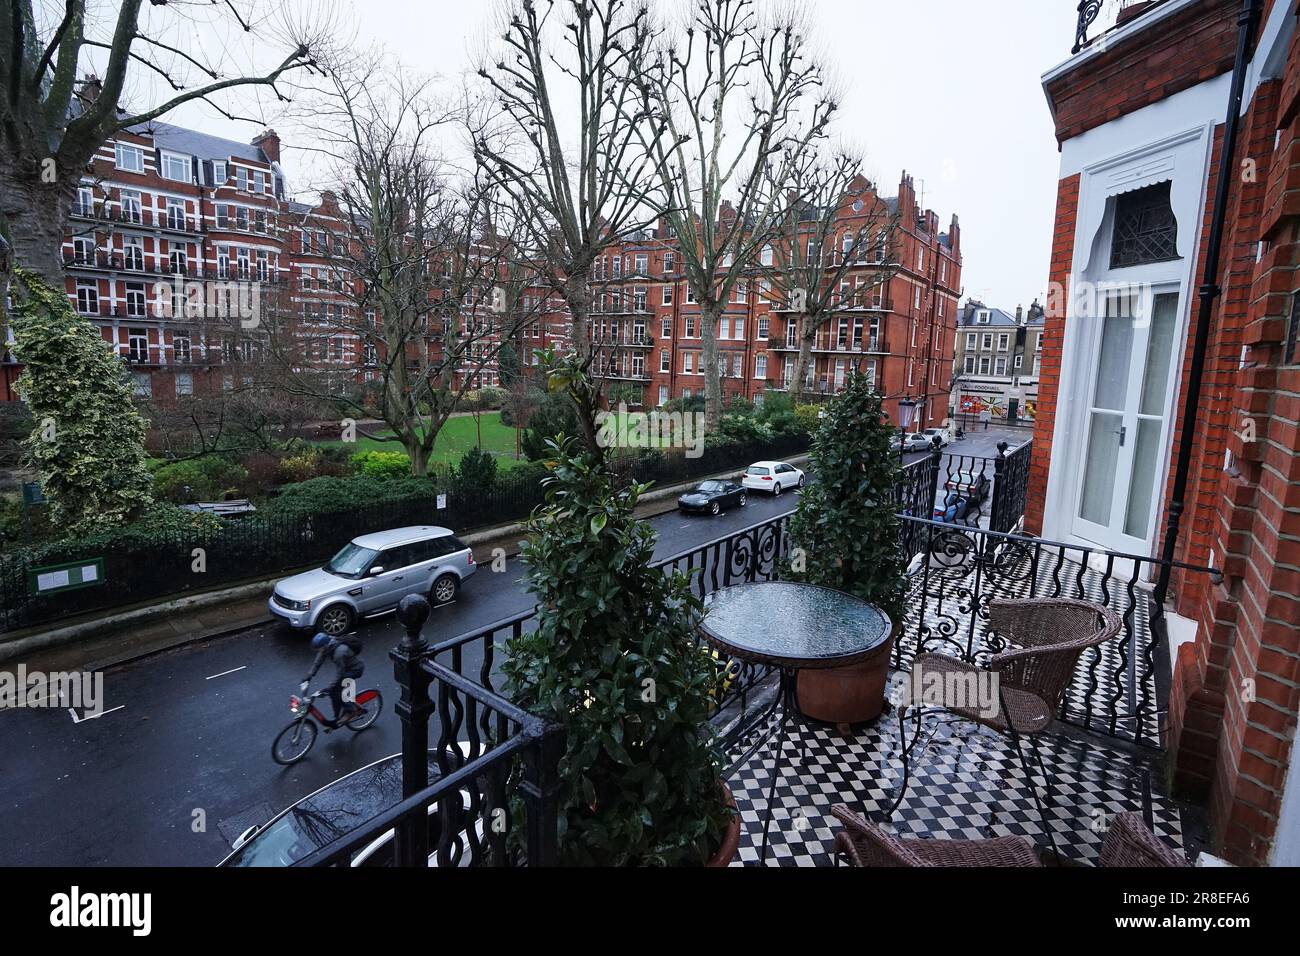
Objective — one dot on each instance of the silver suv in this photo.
(371, 574)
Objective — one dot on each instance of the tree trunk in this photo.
(709, 316)
(34, 214)
(578, 298)
(806, 335)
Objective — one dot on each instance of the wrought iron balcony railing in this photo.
(1096, 18)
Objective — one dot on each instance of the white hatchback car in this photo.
(772, 476)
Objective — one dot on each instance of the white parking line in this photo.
(233, 670)
(78, 720)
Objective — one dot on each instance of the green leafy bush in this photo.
(554, 418)
(847, 522)
(211, 478)
(330, 494)
(614, 660)
(382, 464)
(159, 520)
(693, 404)
(775, 404)
(733, 428)
(301, 466)
(88, 441)
(477, 471)
(489, 398)
(807, 416)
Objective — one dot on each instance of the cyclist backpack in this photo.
(353, 642)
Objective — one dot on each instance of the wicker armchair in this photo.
(864, 843)
(1130, 843)
(1046, 638)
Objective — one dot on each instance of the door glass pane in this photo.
(1141, 486)
(1160, 347)
(1099, 473)
(1113, 364)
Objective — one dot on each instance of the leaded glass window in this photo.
(1145, 228)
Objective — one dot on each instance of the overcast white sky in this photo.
(947, 89)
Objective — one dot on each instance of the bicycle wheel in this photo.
(293, 743)
(372, 702)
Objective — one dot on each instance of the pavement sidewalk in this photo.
(121, 635)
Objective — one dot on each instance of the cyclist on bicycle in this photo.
(345, 652)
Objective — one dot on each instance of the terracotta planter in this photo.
(852, 694)
(731, 836)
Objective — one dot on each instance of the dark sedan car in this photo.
(712, 496)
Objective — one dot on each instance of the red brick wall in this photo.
(1201, 43)
(1236, 688)
(1067, 205)
(1235, 699)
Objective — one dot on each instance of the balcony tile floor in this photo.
(966, 784)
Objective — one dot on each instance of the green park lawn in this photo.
(457, 436)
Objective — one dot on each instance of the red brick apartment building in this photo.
(1141, 114)
(646, 325)
(172, 213)
(165, 206)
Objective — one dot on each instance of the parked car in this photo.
(969, 483)
(713, 497)
(331, 812)
(958, 509)
(371, 574)
(772, 476)
(943, 434)
(912, 441)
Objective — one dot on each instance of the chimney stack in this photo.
(268, 141)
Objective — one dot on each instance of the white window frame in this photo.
(128, 149)
(168, 158)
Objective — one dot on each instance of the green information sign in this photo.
(65, 577)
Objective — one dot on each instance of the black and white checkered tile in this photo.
(966, 784)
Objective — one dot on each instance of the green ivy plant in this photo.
(846, 526)
(615, 662)
(87, 445)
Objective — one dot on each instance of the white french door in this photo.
(1126, 419)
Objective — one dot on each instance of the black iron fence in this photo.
(954, 572)
(957, 571)
(966, 490)
(489, 793)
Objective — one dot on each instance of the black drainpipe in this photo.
(1209, 291)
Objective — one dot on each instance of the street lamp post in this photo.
(906, 412)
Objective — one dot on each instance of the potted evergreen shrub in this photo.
(614, 660)
(846, 530)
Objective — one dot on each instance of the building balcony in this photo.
(144, 218)
(1101, 751)
(624, 376)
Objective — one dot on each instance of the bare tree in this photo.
(579, 194)
(51, 124)
(743, 101)
(839, 225)
(418, 283)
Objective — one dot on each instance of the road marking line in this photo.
(224, 673)
(77, 720)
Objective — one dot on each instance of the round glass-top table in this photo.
(792, 624)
